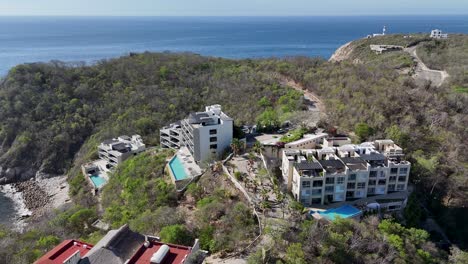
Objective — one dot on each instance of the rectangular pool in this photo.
(177, 169)
(345, 211)
(97, 181)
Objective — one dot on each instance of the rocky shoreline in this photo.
(33, 195)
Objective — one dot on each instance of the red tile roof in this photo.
(177, 254)
(63, 251)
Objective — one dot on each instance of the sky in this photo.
(229, 7)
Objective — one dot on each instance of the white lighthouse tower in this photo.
(383, 30)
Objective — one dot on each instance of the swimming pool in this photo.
(177, 169)
(97, 181)
(345, 211)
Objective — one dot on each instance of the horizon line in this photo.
(234, 16)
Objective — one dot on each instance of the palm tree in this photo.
(236, 146)
(258, 147)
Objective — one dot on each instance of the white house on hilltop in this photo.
(437, 34)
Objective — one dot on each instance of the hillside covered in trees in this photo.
(52, 116)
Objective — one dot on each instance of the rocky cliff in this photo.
(17, 174)
(342, 53)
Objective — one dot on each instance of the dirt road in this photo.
(315, 107)
(423, 73)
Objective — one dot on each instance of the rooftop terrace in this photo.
(64, 251)
(177, 254)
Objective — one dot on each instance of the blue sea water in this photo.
(89, 39)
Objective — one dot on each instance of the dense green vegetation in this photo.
(53, 116)
(450, 55)
(48, 111)
(349, 241)
(361, 52)
(139, 193)
(428, 122)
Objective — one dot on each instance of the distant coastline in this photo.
(90, 39)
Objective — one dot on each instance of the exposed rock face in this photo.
(16, 174)
(342, 53)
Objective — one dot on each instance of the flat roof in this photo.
(332, 164)
(177, 254)
(308, 165)
(354, 163)
(372, 156)
(197, 117)
(63, 251)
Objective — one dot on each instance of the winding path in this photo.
(424, 73)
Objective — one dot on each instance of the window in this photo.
(392, 178)
(349, 194)
(212, 131)
(402, 179)
(371, 190)
(372, 182)
(317, 200)
(329, 189)
(400, 187)
(361, 185)
(359, 194)
(340, 180)
(393, 170)
(403, 171)
(351, 185)
(339, 188)
(316, 191)
(306, 184)
(330, 181)
(373, 174)
(214, 146)
(391, 187)
(339, 197)
(382, 182)
(213, 139)
(318, 183)
(352, 177)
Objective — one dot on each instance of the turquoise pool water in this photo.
(97, 180)
(345, 211)
(177, 169)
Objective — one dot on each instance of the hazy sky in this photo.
(230, 7)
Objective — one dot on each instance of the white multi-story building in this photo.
(437, 34)
(171, 136)
(346, 172)
(206, 134)
(116, 150)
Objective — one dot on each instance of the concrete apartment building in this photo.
(437, 34)
(115, 151)
(345, 172)
(206, 134)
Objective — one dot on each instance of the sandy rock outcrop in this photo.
(342, 53)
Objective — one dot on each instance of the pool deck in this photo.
(102, 172)
(190, 166)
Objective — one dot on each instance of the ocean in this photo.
(89, 39)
